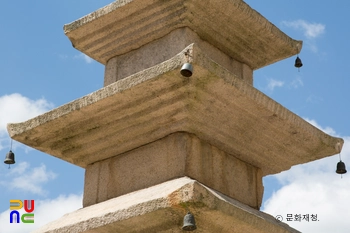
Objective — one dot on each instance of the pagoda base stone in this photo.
(176, 155)
(161, 208)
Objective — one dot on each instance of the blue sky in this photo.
(40, 70)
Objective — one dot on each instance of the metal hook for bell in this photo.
(187, 68)
(189, 222)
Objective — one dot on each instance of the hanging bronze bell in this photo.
(186, 70)
(298, 63)
(189, 222)
(341, 168)
(10, 158)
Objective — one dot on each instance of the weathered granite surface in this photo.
(161, 208)
(176, 155)
(229, 25)
(213, 104)
(165, 48)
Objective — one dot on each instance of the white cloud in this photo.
(314, 188)
(86, 58)
(272, 83)
(25, 179)
(63, 56)
(297, 82)
(314, 99)
(19, 169)
(45, 211)
(310, 30)
(311, 45)
(17, 108)
(326, 129)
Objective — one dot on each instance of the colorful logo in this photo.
(15, 216)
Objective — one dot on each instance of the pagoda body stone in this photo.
(201, 143)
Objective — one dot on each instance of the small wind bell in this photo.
(10, 157)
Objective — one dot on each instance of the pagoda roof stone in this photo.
(213, 104)
(230, 25)
(161, 208)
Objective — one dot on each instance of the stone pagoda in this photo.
(155, 144)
